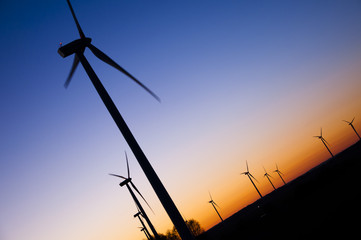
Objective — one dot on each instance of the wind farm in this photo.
(190, 90)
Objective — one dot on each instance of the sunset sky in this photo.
(238, 80)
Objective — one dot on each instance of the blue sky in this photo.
(239, 80)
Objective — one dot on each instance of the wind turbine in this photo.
(250, 176)
(145, 232)
(128, 181)
(144, 228)
(324, 142)
(268, 177)
(77, 47)
(214, 204)
(279, 174)
(350, 123)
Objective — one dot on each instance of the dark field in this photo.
(323, 203)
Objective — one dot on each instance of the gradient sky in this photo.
(239, 80)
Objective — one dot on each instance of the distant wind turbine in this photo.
(128, 181)
(324, 142)
(77, 47)
(144, 229)
(268, 177)
(250, 176)
(279, 174)
(350, 123)
(214, 204)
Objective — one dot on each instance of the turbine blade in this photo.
(321, 132)
(346, 121)
(276, 167)
(136, 189)
(253, 177)
(76, 21)
(352, 120)
(102, 56)
(324, 140)
(264, 170)
(126, 158)
(210, 196)
(111, 174)
(216, 204)
(72, 70)
(247, 166)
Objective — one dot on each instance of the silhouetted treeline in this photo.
(193, 225)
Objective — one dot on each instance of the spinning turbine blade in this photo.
(102, 56)
(216, 204)
(72, 70)
(117, 176)
(324, 140)
(136, 189)
(247, 166)
(352, 120)
(210, 196)
(321, 133)
(347, 121)
(253, 177)
(76, 21)
(126, 157)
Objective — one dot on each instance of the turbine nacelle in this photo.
(126, 181)
(74, 46)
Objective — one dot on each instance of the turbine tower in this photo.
(268, 177)
(214, 204)
(350, 123)
(324, 142)
(250, 176)
(279, 174)
(128, 181)
(77, 47)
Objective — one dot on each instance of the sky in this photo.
(238, 80)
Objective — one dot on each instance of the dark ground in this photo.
(320, 204)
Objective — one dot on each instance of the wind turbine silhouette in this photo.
(279, 174)
(250, 176)
(268, 177)
(350, 123)
(214, 204)
(128, 181)
(144, 228)
(77, 47)
(324, 142)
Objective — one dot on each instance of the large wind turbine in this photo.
(128, 181)
(268, 177)
(214, 204)
(350, 123)
(279, 174)
(324, 142)
(77, 47)
(250, 176)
